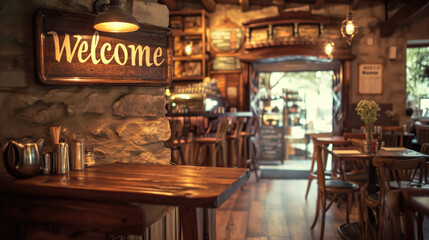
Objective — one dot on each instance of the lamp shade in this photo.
(116, 19)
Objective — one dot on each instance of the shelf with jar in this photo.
(190, 54)
(293, 109)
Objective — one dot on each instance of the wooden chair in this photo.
(313, 173)
(325, 187)
(356, 171)
(249, 148)
(425, 149)
(217, 145)
(392, 174)
(422, 134)
(176, 141)
(401, 220)
(235, 144)
(389, 135)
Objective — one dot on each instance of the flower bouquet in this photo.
(368, 112)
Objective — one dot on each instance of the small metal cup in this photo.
(47, 163)
(62, 158)
(77, 158)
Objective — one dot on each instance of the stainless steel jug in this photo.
(23, 159)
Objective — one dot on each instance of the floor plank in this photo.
(275, 209)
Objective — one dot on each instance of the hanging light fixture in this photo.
(329, 45)
(116, 19)
(349, 28)
(329, 48)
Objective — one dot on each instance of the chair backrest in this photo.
(222, 128)
(252, 126)
(239, 124)
(425, 148)
(321, 159)
(394, 172)
(422, 133)
(390, 134)
(357, 137)
(176, 127)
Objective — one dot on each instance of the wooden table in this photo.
(119, 187)
(371, 188)
(334, 140)
(372, 178)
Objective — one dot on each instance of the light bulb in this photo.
(188, 49)
(329, 48)
(350, 28)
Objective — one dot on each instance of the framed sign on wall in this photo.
(370, 78)
(70, 51)
(226, 37)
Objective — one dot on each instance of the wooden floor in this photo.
(276, 210)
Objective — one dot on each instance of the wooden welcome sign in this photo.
(70, 51)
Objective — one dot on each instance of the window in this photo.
(418, 80)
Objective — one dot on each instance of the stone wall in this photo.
(122, 123)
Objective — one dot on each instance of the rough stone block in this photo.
(151, 13)
(12, 79)
(94, 103)
(140, 105)
(140, 132)
(42, 113)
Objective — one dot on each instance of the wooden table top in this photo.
(344, 153)
(332, 140)
(176, 185)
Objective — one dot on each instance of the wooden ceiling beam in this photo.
(402, 16)
(209, 5)
(245, 5)
(318, 4)
(355, 4)
(171, 4)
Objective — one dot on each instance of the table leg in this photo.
(210, 223)
(191, 219)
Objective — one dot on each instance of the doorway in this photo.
(296, 100)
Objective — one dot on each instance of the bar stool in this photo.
(235, 144)
(176, 141)
(249, 148)
(216, 145)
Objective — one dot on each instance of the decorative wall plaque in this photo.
(282, 32)
(227, 37)
(308, 30)
(70, 51)
(370, 78)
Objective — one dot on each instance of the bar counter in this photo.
(118, 188)
(211, 115)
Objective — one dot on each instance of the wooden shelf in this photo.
(189, 25)
(188, 78)
(179, 33)
(198, 57)
(226, 72)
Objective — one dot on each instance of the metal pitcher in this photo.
(23, 159)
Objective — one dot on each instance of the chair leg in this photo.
(213, 155)
(310, 177)
(348, 206)
(316, 216)
(322, 224)
(182, 156)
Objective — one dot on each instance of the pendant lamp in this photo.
(116, 19)
(349, 28)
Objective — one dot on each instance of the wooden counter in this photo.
(126, 185)
(211, 115)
